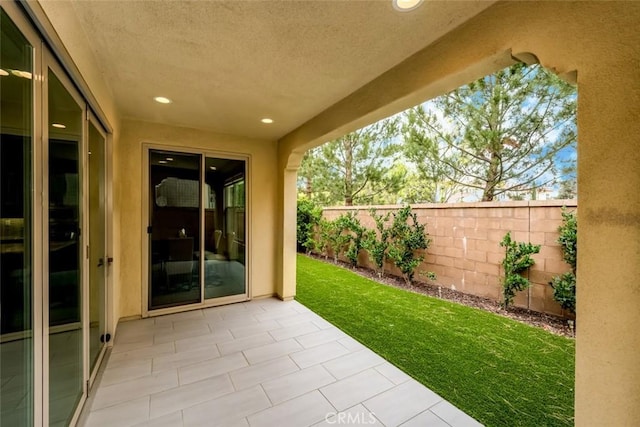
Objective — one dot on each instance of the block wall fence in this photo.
(465, 250)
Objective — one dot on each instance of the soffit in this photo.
(226, 64)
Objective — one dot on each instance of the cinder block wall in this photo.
(465, 250)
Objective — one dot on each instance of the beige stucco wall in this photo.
(128, 194)
(601, 41)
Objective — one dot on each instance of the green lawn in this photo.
(501, 372)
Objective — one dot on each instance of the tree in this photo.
(500, 134)
(431, 183)
(356, 168)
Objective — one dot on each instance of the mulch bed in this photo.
(554, 324)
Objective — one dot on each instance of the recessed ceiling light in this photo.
(23, 74)
(59, 125)
(267, 120)
(406, 5)
(162, 100)
(169, 159)
(162, 162)
(3, 72)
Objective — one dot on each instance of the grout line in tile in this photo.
(265, 393)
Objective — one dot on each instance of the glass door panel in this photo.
(16, 233)
(97, 244)
(174, 231)
(66, 368)
(224, 234)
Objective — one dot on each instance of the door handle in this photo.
(100, 262)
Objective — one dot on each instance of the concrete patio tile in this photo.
(294, 330)
(212, 314)
(322, 324)
(261, 372)
(401, 403)
(301, 411)
(394, 374)
(240, 344)
(271, 351)
(320, 337)
(133, 343)
(245, 331)
(188, 395)
(352, 363)
(426, 418)
(356, 415)
(196, 331)
(297, 384)
(351, 344)
(136, 327)
(140, 354)
(453, 416)
(319, 354)
(225, 410)
(134, 389)
(355, 389)
(170, 420)
(296, 318)
(185, 315)
(197, 343)
(239, 321)
(166, 362)
(211, 368)
(123, 415)
(187, 324)
(275, 313)
(262, 363)
(127, 372)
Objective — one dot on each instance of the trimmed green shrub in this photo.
(517, 259)
(564, 286)
(377, 242)
(308, 218)
(406, 239)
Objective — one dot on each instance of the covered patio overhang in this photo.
(322, 69)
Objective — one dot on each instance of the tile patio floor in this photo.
(259, 363)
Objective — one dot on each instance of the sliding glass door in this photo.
(196, 232)
(224, 237)
(65, 249)
(98, 258)
(53, 244)
(16, 226)
(174, 231)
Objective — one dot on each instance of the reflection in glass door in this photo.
(97, 245)
(66, 363)
(224, 236)
(16, 232)
(174, 231)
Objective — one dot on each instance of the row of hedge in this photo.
(400, 238)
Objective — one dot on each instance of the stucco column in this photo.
(287, 192)
(608, 292)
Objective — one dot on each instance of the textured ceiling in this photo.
(227, 64)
